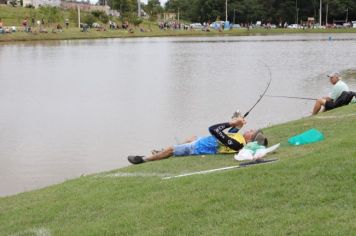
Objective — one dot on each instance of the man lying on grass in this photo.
(217, 143)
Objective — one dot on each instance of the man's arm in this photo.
(218, 132)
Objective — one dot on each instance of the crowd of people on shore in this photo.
(39, 26)
(172, 25)
(28, 26)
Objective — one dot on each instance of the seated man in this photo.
(339, 95)
(218, 142)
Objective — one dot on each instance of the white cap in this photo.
(334, 74)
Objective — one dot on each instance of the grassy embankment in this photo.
(309, 191)
(14, 16)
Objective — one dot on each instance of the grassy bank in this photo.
(309, 191)
(152, 31)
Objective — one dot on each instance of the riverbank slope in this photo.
(309, 191)
(153, 31)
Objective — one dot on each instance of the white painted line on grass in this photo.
(202, 172)
(134, 174)
(36, 231)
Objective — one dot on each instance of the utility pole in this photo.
(178, 15)
(320, 11)
(347, 15)
(225, 10)
(234, 16)
(296, 11)
(79, 17)
(139, 8)
(326, 14)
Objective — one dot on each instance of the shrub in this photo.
(97, 13)
(101, 15)
(89, 19)
(136, 21)
(104, 18)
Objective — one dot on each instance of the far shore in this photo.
(75, 33)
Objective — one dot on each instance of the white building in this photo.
(37, 3)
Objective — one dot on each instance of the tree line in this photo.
(246, 11)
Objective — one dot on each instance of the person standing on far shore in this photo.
(67, 23)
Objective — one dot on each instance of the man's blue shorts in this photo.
(186, 149)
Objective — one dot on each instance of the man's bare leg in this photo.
(318, 104)
(166, 153)
(188, 140)
(157, 155)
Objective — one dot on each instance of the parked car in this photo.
(318, 26)
(294, 26)
(217, 24)
(236, 26)
(196, 26)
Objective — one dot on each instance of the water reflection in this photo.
(74, 107)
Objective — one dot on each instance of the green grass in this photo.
(14, 16)
(309, 191)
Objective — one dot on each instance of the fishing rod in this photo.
(281, 96)
(264, 92)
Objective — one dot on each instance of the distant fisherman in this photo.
(340, 95)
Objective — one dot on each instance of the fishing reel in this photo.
(236, 114)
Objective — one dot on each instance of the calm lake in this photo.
(69, 108)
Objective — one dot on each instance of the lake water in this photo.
(70, 108)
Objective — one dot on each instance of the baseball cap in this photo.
(334, 74)
(260, 138)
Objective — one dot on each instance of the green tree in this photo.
(89, 19)
(275, 11)
(153, 8)
(339, 9)
(124, 6)
(101, 16)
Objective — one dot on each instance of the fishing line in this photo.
(264, 92)
(281, 96)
